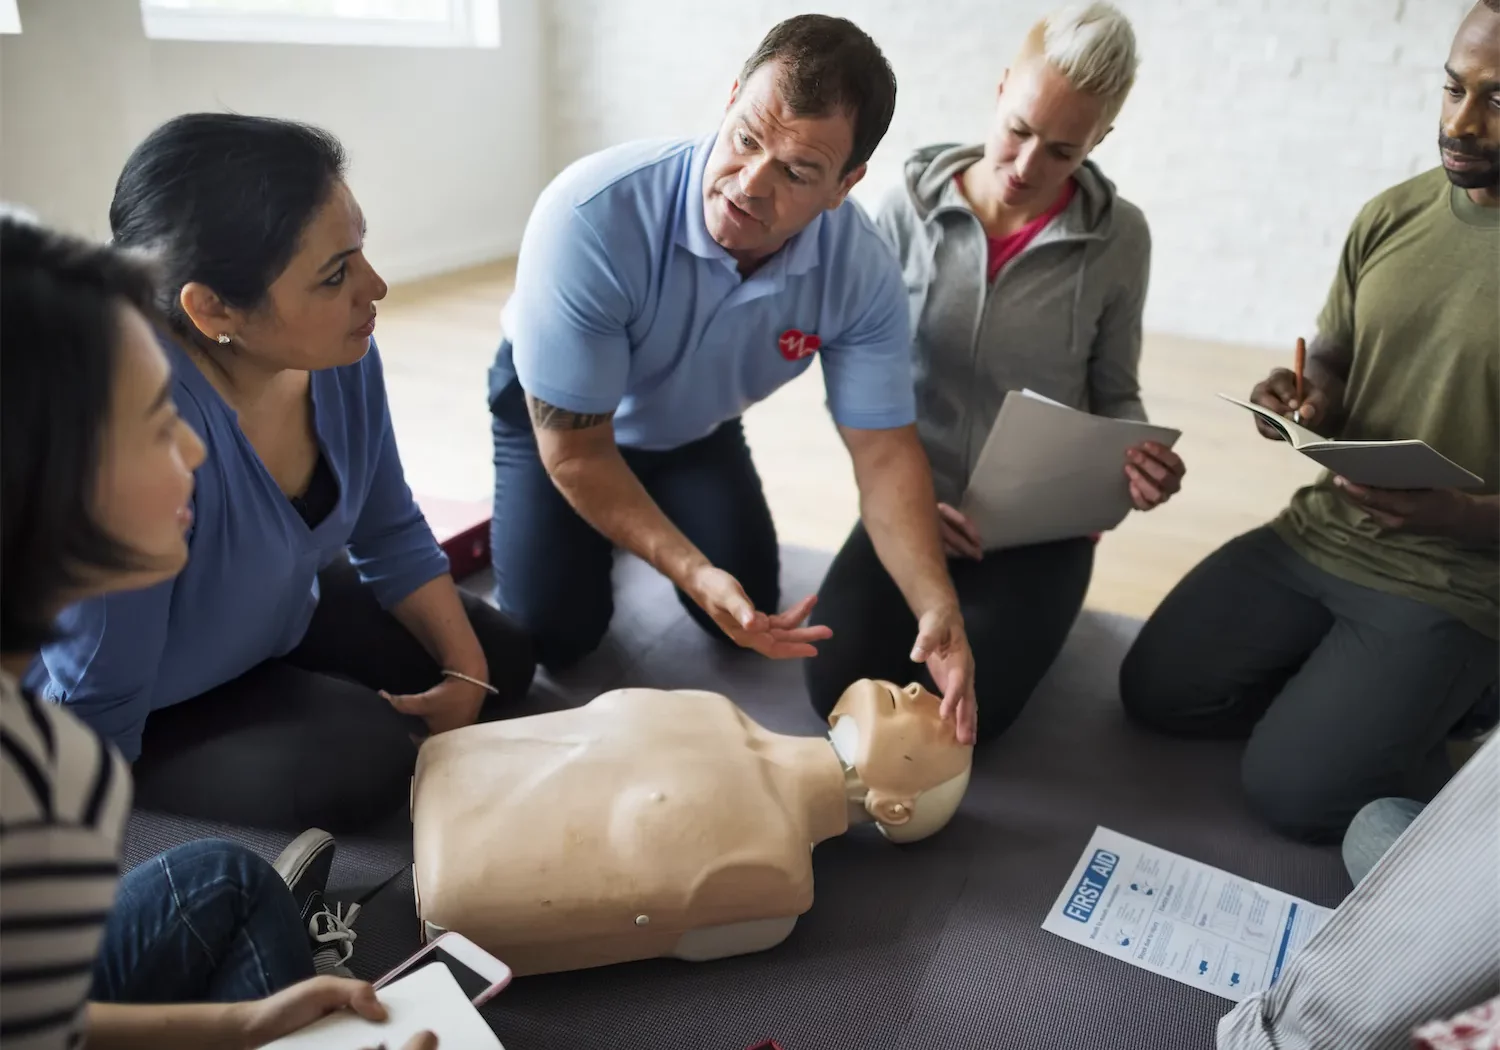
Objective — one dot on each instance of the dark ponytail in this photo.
(222, 200)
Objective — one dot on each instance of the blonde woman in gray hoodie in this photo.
(1024, 269)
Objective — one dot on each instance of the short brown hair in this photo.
(830, 64)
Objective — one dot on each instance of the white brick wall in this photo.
(1256, 130)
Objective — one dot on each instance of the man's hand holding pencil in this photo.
(1297, 395)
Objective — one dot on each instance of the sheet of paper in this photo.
(1049, 472)
(428, 1000)
(1184, 920)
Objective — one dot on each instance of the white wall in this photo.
(1256, 130)
(448, 148)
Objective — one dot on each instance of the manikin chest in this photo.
(611, 831)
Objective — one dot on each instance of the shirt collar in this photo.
(692, 231)
(1467, 211)
(796, 257)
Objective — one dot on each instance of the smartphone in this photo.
(479, 974)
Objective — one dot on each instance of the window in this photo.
(409, 23)
(10, 17)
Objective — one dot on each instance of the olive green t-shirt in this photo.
(1417, 296)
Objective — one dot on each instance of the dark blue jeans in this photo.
(552, 569)
(206, 922)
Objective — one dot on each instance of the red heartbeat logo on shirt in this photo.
(795, 345)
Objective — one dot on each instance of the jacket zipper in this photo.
(970, 455)
(986, 296)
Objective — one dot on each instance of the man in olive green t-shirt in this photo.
(1348, 637)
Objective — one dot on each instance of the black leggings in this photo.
(306, 740)
(1018, 607)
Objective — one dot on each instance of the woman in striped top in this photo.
(95, 475)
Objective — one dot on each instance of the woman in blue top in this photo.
(278, 680)
(205, 945)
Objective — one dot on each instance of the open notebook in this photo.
(1408, 464)
(1050, 472)
(427, 1000)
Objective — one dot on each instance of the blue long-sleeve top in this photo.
(250, 585)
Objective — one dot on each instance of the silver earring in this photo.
(223, 337)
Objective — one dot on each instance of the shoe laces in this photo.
(332, 929)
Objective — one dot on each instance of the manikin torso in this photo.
(646, 823)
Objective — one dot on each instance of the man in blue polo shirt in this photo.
(662, 289)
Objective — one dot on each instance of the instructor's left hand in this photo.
(944, 647)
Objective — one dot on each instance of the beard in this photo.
(1483, 176)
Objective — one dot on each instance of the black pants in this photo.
(1345, 693)
(1018, 606)
(306, 740)
(552, 569)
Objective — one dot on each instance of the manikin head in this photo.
(912, 766)
(1058, 100)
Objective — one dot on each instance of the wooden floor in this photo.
(438, 338)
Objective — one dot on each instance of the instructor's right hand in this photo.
(779, 636)
(1278, 392)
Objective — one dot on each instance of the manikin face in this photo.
(904, 753)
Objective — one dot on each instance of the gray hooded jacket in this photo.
(1062, 318)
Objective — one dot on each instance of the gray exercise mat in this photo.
(935, 946)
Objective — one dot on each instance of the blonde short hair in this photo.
(1093, 45)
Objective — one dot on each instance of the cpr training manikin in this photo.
(652, 823)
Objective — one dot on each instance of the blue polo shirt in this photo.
(624, 303)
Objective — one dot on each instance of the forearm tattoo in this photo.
(550, 417)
